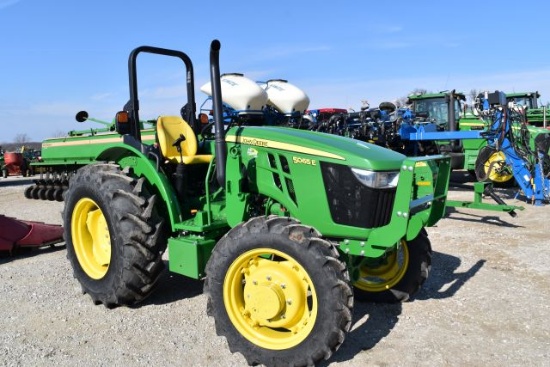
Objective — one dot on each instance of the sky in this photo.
(58, 57)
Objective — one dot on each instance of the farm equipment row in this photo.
(436, 124)
(530, 168)
(288, 216)
(279, 103)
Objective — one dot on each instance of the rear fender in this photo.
(129, 157)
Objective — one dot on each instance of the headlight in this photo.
(377, 180)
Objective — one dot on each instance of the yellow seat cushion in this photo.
(169, 129)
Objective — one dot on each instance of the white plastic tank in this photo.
(239, 92)
(286, 97)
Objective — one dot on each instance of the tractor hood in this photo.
(326, 147)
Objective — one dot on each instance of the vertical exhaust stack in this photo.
(221, 145)
(450, 99)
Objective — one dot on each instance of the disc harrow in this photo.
(48, 187)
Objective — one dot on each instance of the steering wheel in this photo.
(206, 131)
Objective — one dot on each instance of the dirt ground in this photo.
(485, 303)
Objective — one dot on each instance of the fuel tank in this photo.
(239, 92)
(286, 97)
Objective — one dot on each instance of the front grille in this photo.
(352, 203)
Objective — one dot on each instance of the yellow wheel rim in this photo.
(91, 239)
(495, 167)
(387, 274)
(270, 299)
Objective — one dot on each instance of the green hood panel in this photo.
(321, 146)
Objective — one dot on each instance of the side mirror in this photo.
(81, 116)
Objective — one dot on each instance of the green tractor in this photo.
(445, 110)
(286, 227)
(536, 116)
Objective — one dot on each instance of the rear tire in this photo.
(278, 293)
(115, 237)
(399, 277)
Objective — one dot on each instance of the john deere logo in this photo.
(252, 141)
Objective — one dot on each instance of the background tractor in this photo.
(286, 226)
(444, 111)
(536, 114)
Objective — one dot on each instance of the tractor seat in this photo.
(169, 129)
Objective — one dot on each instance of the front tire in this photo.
(397, 277)
(115, 237)
(278, 293)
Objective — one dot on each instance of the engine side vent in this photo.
(272, 161)
(284, 164)
(282, 177)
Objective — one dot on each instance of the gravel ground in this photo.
(484, 304)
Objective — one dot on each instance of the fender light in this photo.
(377, 179)
(122, 125)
